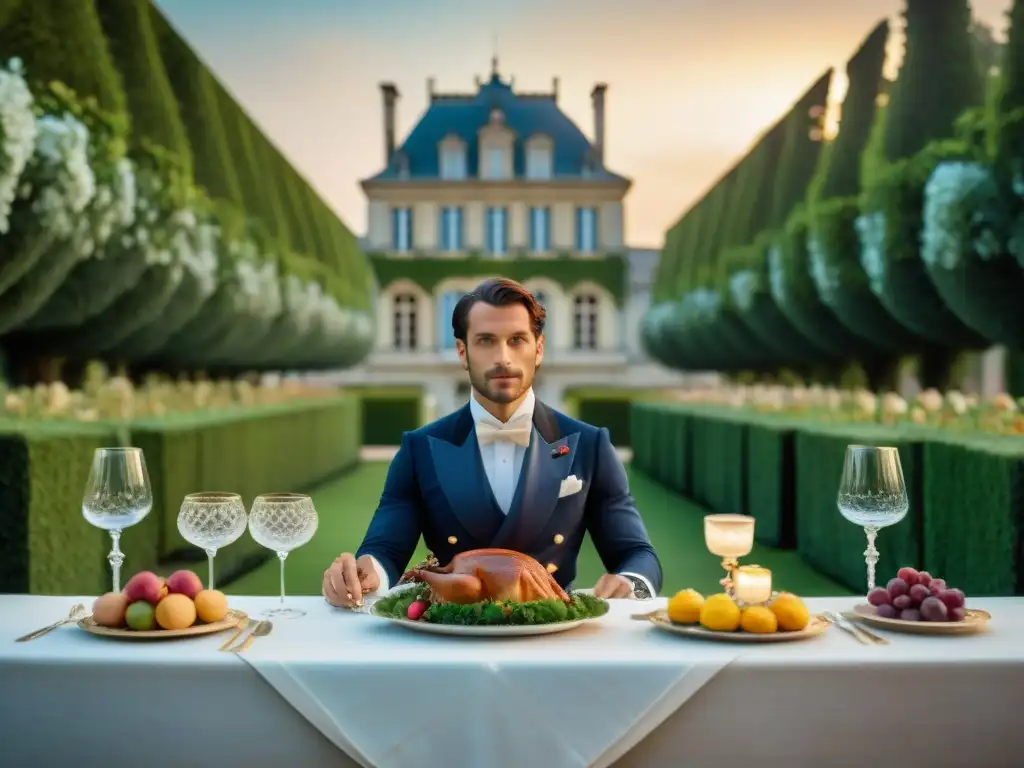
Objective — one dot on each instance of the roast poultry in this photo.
(488, 574)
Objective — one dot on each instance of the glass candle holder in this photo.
(752, 584)
(730, 537)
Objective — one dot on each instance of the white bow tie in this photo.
(489, 433)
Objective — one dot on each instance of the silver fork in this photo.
(861, 635)
(77, 613)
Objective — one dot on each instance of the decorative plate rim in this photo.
(816, 627)
(231, 621)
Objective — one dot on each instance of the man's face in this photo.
(501, 353)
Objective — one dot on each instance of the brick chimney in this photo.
(597, 97)
(390, 94)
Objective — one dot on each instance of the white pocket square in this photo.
(569, 486)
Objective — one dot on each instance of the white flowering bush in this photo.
(743, 287)
(967, 239)
(17, 135)
(870, 228)
(957, 197)
(953, 410)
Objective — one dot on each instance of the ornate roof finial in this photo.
(494, 59)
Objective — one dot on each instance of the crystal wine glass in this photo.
(117, 495)
(282, 522)
(212, 520)
(872, 494)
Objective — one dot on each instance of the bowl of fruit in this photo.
(154, 608)
(915, 601)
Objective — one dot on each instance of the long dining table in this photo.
(342, 688)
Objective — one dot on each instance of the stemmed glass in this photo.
(117, 496)
(872, 494)
(282, 522)
(730, 537)
(211, 520)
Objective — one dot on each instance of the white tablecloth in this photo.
(390, 697)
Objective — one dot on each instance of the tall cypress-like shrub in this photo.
(973, 223)
(938, 80)
(832, 245)
(837, 177)
(62, 44)
(158, 146)
(798, 150)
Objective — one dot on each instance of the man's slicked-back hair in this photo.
(498, 292)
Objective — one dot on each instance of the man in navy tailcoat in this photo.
(505, 470)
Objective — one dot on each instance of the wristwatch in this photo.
(640, 589)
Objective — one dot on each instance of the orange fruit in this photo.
(211, 606)
(176, 612)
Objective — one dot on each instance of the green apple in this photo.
(140, 616)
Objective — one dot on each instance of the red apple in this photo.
(184, 583)
(146, 586)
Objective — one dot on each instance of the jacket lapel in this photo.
(544, 468)
(460, 473)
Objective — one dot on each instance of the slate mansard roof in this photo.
(526, 115)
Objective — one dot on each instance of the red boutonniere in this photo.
(561, 450)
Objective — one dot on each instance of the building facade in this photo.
(497, 182)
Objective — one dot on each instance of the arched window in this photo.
(405, 322)
(585, 317)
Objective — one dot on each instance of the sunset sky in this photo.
(691, 82)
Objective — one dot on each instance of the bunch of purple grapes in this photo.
(915, 596)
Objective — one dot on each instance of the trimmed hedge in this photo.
(47, 548)
(966, 518)
(387, 413)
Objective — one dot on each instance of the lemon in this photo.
(791, 612)
(758, 620)
(685, 607)
(720, 614)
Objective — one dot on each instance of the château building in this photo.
(499, 182)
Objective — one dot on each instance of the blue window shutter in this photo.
(410, 228)
(458, 227)
(545, 218)
(489, 230)
(442, 229)
(579, 229)
(593, 229)
(394, 229)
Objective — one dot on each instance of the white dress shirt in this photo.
(503, 464)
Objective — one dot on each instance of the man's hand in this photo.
(348, 579)
(612, 585)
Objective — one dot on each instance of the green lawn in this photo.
(675, 525)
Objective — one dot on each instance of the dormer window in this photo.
(539, 158)
(453, 159)
(493, 163)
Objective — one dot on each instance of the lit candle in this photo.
(753, 584)
(729, 535)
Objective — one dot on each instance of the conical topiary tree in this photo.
(973, 234)
(158, 146)
(753, 190)
(837, 177)
(62, 47)
(697, 318)
(938, 80)
(750, 286)
(678, 351)
(196, 94)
